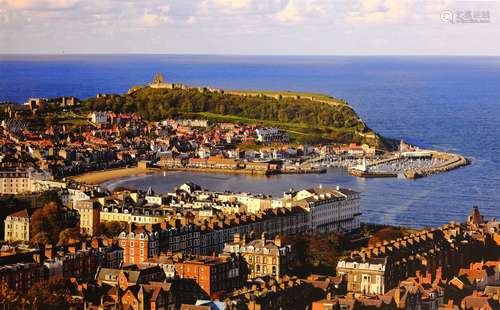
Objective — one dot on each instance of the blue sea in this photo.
(447, 103)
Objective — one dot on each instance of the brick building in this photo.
(139, 245)
(214, 275)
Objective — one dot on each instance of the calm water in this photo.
(446, 103)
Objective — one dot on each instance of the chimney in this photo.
(428, 278)
(439, 274)
(418, 274)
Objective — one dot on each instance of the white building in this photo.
(254, 202)
(14, 182)
(271, 135)
(75, 195)
(99, 118)
(22, 181)
(17, 226)
(330, 209)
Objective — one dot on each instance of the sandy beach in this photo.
(97, 177)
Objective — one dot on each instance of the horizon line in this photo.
(247, 55)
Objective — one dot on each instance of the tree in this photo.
(54, 294)
(69, 235)
(386, 233)
(8, 297)
(41, 238)
(316, 253)
(48, 197)
(47, 222)
(111, 229)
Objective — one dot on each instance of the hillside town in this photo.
(48, 135)
(71, 244)
(193, 248)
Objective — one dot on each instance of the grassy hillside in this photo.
(284, 94)
(303, 118)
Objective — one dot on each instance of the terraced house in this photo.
(377, 269)
(330, 209)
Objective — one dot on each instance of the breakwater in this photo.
(451, 161)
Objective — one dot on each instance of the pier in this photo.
(411, 165)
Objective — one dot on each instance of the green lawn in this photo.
(296, 131)
(70, 118)
(75, 121)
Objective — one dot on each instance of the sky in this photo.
(269, 27)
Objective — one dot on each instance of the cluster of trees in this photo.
(51, 225)
(387, 234)
(157, 104)
(317, 253)
(53, 294)
(111, 229)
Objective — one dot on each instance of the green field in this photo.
(69, 118)
(298, 132)
(75, 121)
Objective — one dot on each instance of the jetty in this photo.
(451, 161)
(411, 165)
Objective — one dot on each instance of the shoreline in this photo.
(102, 176)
